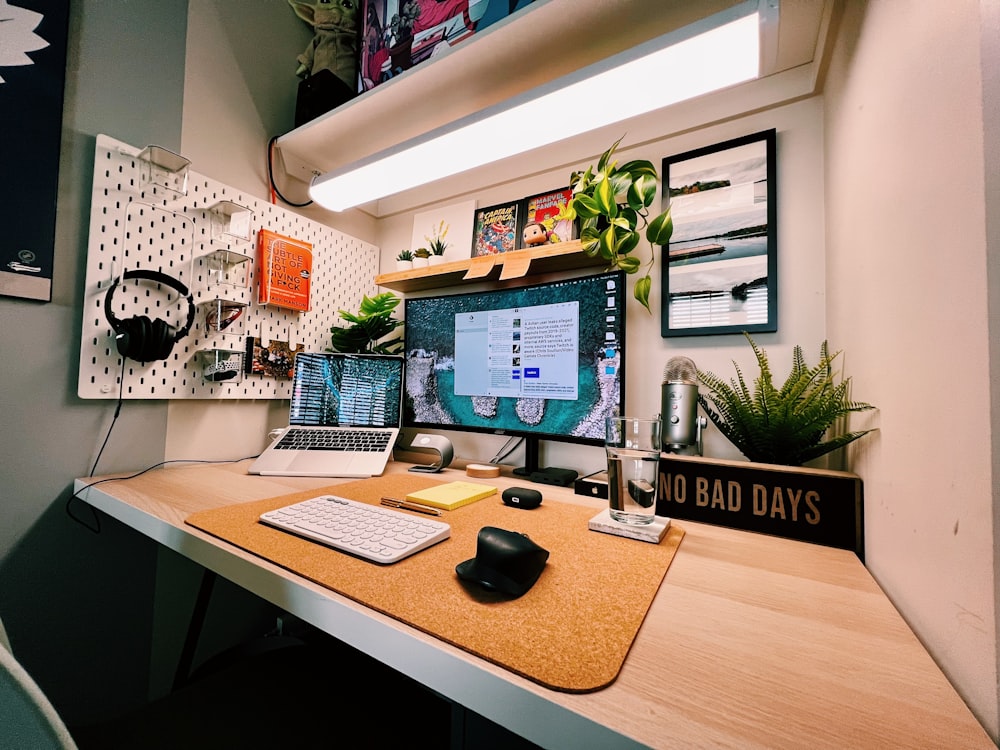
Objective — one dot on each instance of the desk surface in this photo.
(752, 641)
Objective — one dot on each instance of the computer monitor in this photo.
(543, 362)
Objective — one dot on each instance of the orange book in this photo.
(284, 269)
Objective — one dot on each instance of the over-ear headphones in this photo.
(139, 337)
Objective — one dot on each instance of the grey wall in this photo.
(72, 598)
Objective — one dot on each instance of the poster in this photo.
(32, 75)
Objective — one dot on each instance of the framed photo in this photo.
(497, 228)
(719, 272)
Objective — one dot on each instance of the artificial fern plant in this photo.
(785, 425)
(372, 323)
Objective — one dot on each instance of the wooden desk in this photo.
(752, 641)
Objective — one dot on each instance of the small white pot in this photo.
(404, 265)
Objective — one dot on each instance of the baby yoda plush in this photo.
(335, 46)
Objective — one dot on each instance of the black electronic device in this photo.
(140, 337)
(542, 362)
(522, 497)
(506, 561)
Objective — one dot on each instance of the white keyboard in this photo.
(375, 533)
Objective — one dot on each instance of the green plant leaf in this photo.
(606, 156)
(604, 196)
(641, 290)
(660, 229)
(586, 206)
(627, 242)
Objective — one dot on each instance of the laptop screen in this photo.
(352, 390)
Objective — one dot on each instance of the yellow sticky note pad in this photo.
(452, 495)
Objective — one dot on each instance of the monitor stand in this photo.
(549, 475)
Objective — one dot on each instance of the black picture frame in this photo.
(719, 274)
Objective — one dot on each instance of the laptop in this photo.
(344, 417)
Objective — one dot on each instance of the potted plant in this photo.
(612, 203)
(369, 326)
(401, 39)
(437, 244)
(787, 425)
(404, 261)
(420, 257)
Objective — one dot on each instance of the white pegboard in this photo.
(138, 221)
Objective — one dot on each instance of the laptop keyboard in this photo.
(363, 441)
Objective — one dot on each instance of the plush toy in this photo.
(335, 46)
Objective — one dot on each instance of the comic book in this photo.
(497, 229)
(545, 209)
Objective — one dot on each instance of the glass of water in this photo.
(633, 447)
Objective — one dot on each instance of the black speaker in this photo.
(140, 337)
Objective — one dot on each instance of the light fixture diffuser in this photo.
(677, 66)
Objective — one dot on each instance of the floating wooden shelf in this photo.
(563, 256)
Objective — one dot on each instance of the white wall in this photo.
(239, 91)
(906, 273)
(801, 298)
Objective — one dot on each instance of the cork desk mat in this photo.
(570, 632)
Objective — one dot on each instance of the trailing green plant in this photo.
(369, 327)
(405, 255)
(785, 425)
(612, 203)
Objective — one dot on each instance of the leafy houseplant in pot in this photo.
(612, 203)
(369, 327)
(786, 425)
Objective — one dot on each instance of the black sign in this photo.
(810, 505)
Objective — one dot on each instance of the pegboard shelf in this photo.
(230, 224)
(163, 169)
(562, 256)
(136, 224)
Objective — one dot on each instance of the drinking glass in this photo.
(633, 447)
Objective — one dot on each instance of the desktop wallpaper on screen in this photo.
(544, 360)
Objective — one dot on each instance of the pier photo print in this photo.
(719, 270)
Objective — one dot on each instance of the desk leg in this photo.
(186, 659)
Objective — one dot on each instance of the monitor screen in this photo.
(544, 361)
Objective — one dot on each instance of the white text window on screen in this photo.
(530, 352)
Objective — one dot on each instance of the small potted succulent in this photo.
(420, 257)
(437, 244)
(404, 261)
